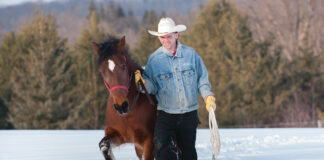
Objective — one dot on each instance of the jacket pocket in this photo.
(188, 76)
(164, 80)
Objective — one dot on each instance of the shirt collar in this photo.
(178, 54)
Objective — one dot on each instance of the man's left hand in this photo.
(210, 101)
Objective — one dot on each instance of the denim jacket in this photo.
(177, 80)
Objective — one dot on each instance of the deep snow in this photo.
(236, 144)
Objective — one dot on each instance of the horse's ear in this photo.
(95, 47)
(121, 43)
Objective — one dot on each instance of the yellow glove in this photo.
(138, 77)
(210, 101)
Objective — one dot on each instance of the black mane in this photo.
(107, 48)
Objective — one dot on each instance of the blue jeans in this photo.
(179, 128)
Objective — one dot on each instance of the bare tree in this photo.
(292, 23)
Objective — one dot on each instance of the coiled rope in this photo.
(214, 134)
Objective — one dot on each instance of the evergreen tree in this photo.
(9, 58)
(265, 91)
(147, 43)
(305, 89)
(91, 8)
(120, 12)
(4, 124)
(102, 12)
(217, 35)
(131, 13)
(90, 111)
(320, 91)
(41, 82)
(131, 21)
(221, 36)
(149, 18)
(111, 11)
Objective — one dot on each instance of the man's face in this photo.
(169, 41)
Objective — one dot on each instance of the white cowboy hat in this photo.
(166, 26)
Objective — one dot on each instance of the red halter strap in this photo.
(118, 86)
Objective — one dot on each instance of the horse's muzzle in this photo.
(123, 109)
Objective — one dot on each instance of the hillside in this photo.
(72, 12)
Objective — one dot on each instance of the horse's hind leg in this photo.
(105, 148)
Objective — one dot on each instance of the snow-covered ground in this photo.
(236, 144)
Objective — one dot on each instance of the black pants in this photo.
(181, 126)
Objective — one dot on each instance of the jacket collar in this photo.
(178, 54)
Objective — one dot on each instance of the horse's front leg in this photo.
(139, 152)
(148, 149)
(105, 148)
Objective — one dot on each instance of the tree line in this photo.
(47, 84)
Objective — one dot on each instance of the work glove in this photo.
(210, 101)
(138, 77)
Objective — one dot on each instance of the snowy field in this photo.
(236, 144)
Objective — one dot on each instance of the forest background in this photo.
(264, 58)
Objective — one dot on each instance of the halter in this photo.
(139, 88)
(118, 86)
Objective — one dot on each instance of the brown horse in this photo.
(130, 116)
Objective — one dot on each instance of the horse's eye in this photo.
(124, 67)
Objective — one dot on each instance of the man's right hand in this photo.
(138, 77)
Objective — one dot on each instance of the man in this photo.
(176, 74)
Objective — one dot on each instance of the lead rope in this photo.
(214, 134)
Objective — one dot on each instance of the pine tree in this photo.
(9, 58)
(41, 82)
(90, 111)
(147, 43)
(91, 8)
(4, 124)
(149, 18)
(305, 89)
(102, 12)
(120, 12)
(111, 11)
(217, 35)
(221, 36)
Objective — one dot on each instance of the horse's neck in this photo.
(132, 66)
(132, 88)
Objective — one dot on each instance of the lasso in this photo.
(214, 134)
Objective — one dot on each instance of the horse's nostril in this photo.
(124, 106)
(118, 108)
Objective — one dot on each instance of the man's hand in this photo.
(210, 101)
(138, 77)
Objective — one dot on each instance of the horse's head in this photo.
(114, 69)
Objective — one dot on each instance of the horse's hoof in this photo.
(105, 148)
